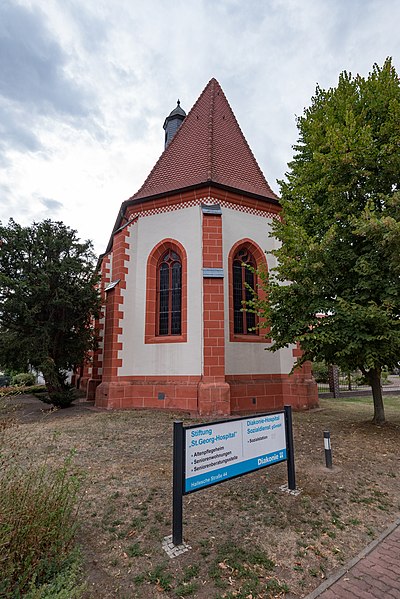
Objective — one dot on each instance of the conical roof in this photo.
(209, 147)
(177, 110)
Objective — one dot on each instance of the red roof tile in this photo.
(209, 147)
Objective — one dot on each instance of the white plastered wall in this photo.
(246, 357)
(139, 358)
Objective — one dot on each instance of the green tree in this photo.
(336, 286)
(47, 300)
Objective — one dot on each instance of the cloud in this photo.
(37, 91)
(15, 131)
(32, 64)
(85, 87)
(52, 206)
(5, 202)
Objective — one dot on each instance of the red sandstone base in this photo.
(239, 394)
(213, 399)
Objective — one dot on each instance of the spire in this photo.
(173, 122)
(209, 147)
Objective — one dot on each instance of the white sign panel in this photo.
(218, 451)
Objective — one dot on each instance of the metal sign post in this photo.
(177, 491)
(290, 448)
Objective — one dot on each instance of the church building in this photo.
(174, 275)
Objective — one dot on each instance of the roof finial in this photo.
(179, 102)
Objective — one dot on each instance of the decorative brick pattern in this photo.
(99, 324)
(113, 313)
(248, 209)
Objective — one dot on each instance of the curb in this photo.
(344, 570)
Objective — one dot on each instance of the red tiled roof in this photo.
(209, 147)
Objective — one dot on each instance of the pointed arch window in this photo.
(166, 293)
(245, 326)
(169, 294)
(243, 279)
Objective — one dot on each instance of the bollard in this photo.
(328, 449)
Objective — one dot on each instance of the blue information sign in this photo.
(218, 451)
(207, 454)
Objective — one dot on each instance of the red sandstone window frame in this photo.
(261, 263)
(169, 289)
(153, 261)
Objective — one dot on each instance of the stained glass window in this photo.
(169, 292)
(243, 322)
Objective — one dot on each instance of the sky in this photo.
(85, 86)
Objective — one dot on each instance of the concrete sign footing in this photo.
(286, 489)
(174, 550)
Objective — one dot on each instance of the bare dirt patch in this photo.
(249, 540)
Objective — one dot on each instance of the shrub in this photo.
(35, 389)
(24, 379)
(320, 372)
(37, 526)
(67, 583)
(61, 398)
(8, 391)
(4, 380)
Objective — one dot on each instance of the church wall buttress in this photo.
(99, 324)
(113, 317)
(214, 393)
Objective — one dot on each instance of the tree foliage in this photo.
(336, 288)
(47, 300)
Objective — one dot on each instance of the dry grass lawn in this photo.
(249, 539)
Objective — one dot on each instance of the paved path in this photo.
(373, 574)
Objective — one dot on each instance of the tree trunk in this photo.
(50, 376)
(374, 376)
